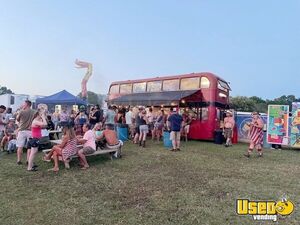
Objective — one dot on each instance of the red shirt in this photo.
(36, 132)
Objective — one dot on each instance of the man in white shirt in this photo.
(128, 118)
(89, 145)
(150, 118)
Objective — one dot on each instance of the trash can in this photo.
(122, 133)
(235, 135)
(219, 137)
(266, 144)
(167, 141)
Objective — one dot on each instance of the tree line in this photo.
(254, 103)
(4, 90)
(239, 103)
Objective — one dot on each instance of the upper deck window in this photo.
(139, 87)
(205, 83)
(191, 83)
(171, 85)
(114, 89)
(222, 85)
(154, 86)
(125, 88)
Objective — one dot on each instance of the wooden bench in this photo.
(97, 152)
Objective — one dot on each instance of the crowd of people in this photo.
(142, 121)
(24, 129)
(93, 129)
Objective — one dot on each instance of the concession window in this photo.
(153, 98)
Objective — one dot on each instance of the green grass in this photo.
(198, 185)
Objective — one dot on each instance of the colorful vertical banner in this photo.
(295, 126)
(277, 127)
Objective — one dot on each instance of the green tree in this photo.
(257, 99)
(92, 98)
(254, 103)
(5, 90)
(242, 103)
(284, 100)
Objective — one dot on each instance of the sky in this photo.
(254, 45)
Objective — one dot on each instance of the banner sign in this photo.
(295, 125)
(278, 124)
(242, 119)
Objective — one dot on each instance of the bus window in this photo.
(139, 87)
(204, 113)
(205, 83)
(114, 89)
(223, 86)
(171, 85)
(191, 83)
(154, 86)
(125, 88)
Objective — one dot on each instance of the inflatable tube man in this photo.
(88, 74)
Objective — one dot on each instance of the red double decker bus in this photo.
(206, 94)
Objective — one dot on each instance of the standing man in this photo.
(2, 121)
(110, 116)
(63, 118)
(175, 123)
(93, 117)
(128, 119)
(25, 118)
(99, 114)
(228, 128)
(150, 118)
(256, 134)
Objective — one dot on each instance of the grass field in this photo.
(198, 185)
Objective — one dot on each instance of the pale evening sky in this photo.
(255, 45)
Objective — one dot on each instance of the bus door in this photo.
(201, 126)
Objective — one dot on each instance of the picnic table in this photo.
(54, 131)
(97, 152)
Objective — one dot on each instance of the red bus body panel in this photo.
(208, 98)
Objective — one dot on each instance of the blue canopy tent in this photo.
(61, 98)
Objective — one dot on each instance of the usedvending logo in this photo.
(264, 210)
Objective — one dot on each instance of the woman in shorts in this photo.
(159, 125)
(144, 129)
(38, 123)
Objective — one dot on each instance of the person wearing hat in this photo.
(228, 128)
(256, 135)
(175, 123)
